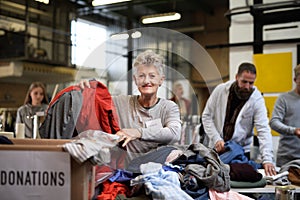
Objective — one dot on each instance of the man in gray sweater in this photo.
(286, 121)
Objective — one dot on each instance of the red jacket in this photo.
(97, 112)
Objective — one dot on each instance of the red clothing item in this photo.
(111, 190)
(97, 111)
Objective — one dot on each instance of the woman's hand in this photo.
(84, 84)
(128, 135)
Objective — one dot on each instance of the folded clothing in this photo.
(244, 184)
(278, 179)
(277, 176)
(243, 172)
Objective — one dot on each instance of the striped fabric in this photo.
(92, 143)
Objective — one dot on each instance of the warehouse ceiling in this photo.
(54, 16)
(120, 13)
(128, 14)
(133, 11)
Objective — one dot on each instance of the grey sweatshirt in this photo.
(159, 125)
(285, 119)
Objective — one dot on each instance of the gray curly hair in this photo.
(149, 58)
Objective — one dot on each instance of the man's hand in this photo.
(269, 169)
(297, 132)
(219, 146)
(128, 135)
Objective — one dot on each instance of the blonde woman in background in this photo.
(35, 101)
(183, 103)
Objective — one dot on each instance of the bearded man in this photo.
(233, 110)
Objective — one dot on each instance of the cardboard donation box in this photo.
(40, 169)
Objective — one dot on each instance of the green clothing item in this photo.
(242, 184)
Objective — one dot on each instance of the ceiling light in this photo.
(106, 2)
(125, 36)
(136, 34)
(43, 1)
(119, 36)
(160, 17)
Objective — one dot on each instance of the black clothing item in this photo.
(243, 172)
(5, 140)
(235, 103)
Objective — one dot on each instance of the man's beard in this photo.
(243, 93)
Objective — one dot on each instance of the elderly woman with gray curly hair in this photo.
(146, 121)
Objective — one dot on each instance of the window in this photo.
(86, 37)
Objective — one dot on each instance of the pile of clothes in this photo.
(168, 172)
